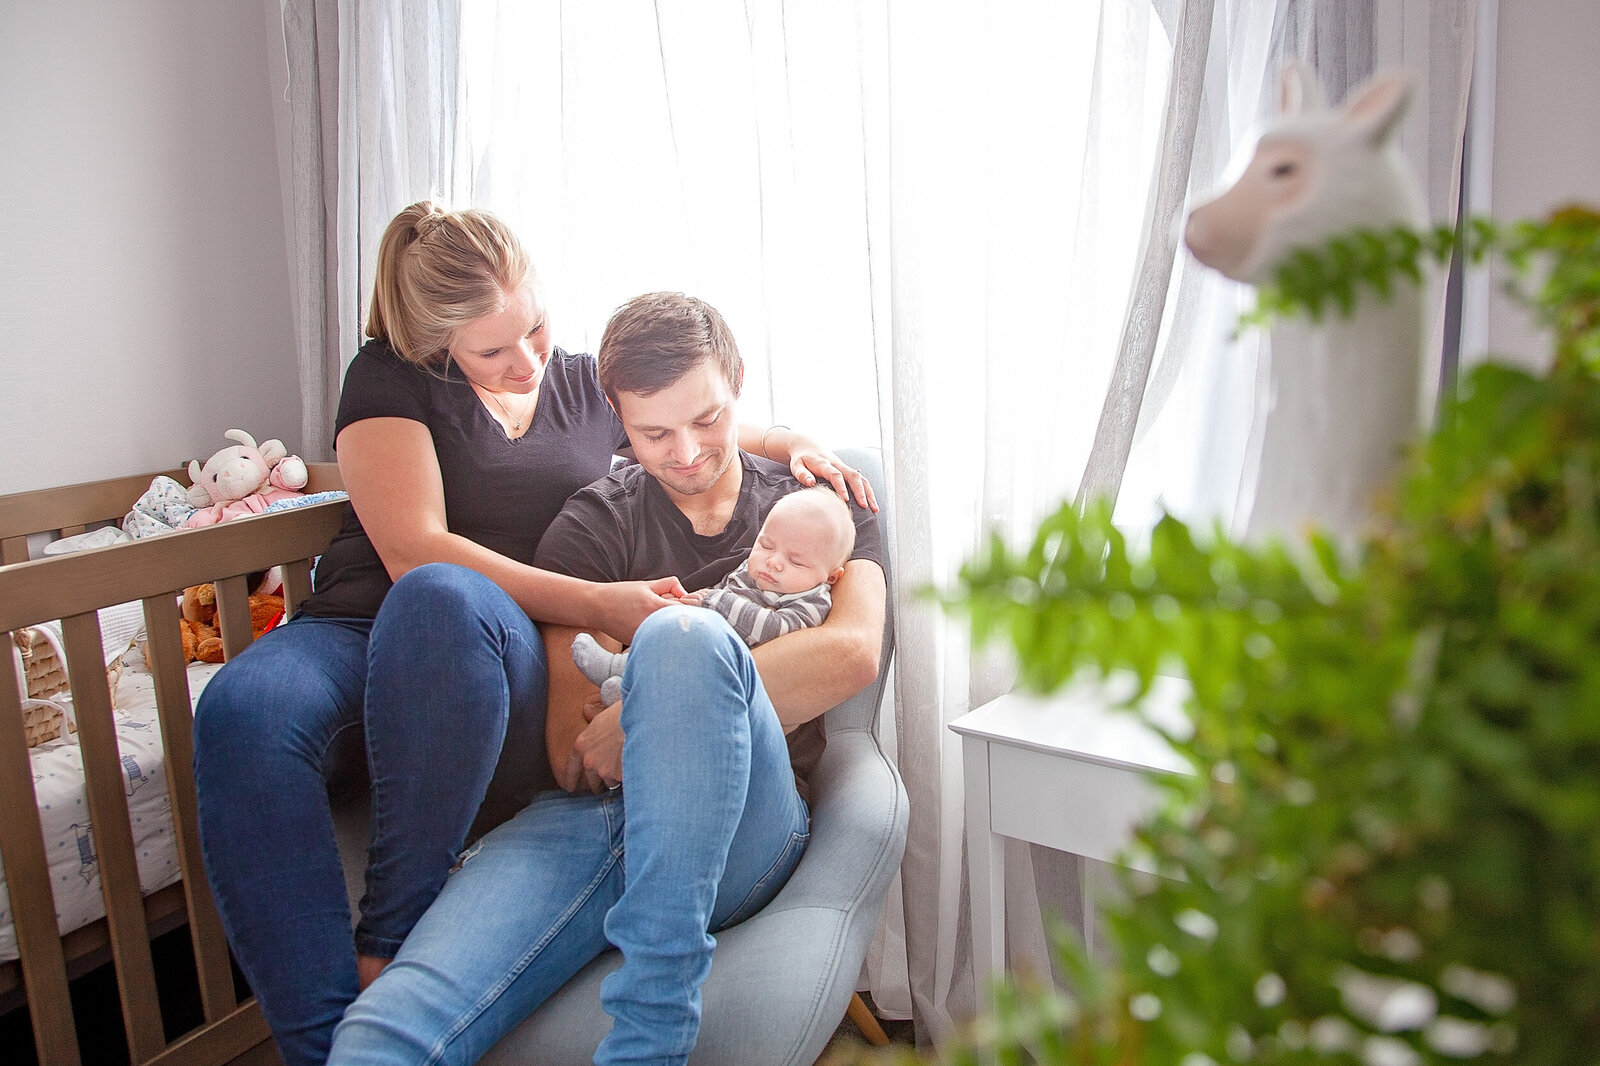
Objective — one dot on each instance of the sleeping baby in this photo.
(784, 584)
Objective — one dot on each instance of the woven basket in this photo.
(42, 672)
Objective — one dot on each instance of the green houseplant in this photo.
(1390, 850)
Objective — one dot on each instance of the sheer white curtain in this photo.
(713, 147)
(1023, 148)
(946, 228)
(370, 125)
(1141, 360)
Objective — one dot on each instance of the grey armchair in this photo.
(781, 981)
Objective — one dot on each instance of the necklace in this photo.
(516, 420)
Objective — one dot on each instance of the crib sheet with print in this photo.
(58, 782)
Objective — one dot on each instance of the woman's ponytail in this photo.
(437, 270)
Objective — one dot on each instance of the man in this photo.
(684, 810)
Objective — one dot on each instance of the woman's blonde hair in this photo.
(438, 270)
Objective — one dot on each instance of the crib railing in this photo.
(66, 510)
(72, 588)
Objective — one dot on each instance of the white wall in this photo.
(144, 296)
(1547, 132)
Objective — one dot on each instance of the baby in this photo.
(784, 584)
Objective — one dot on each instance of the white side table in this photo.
(1069, 772)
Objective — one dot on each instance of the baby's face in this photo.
(791, 553)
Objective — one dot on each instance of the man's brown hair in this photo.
(655, 339)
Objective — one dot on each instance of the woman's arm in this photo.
(808, 461)
(813, 670)
(392, 474)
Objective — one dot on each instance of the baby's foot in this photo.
(594, 662)
(611, 689)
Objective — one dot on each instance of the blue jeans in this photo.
(705, 830)
(447, 690)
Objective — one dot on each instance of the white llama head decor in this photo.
(1343, 396)
(1317, 172)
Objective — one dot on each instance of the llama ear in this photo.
(1374, 109)
(1298, 90)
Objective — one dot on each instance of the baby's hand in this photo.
(693, 599)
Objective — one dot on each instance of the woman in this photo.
(461, 431)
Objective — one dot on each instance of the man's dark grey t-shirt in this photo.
(625, 528)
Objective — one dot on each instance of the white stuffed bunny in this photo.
(243, 479)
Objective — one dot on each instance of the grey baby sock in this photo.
(600, 666)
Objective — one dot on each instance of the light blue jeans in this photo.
(704, 831)
(443, 696)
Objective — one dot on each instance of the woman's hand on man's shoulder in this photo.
(810, 462)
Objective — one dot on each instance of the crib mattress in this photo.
(64, 810)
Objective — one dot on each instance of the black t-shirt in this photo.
(498, 492)
(625, 528)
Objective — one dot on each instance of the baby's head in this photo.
(805, 541)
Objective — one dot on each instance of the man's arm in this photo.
(565, 719)
(813, 670)
(585, 540)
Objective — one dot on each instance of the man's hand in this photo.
(596, 759)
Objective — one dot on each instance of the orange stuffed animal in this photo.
(201, 638)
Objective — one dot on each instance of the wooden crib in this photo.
(72, 588)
